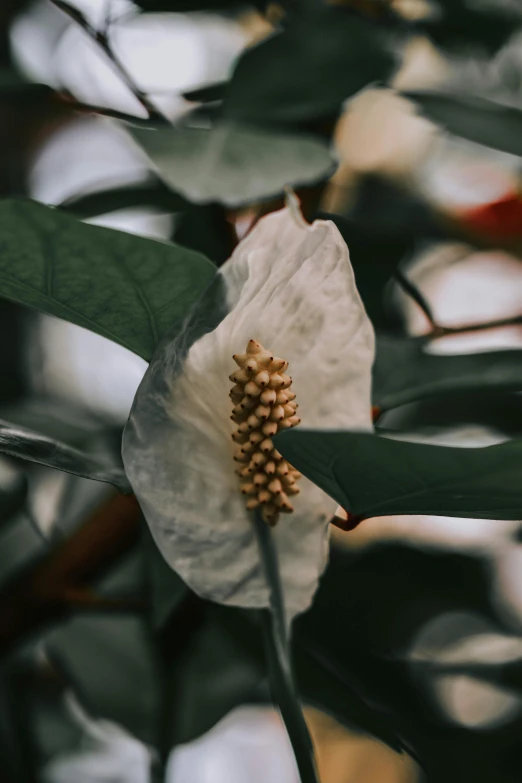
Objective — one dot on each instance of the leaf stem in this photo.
(276, 637)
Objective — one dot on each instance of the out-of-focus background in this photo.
(422, 615)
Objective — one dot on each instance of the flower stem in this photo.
(276, 637)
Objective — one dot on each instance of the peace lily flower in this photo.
(288, 296)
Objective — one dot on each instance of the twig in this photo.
(275, 632)
(101, 38)
(437, 330)
(40, 595)
(68, 102)
(443, 331)
(414, 293)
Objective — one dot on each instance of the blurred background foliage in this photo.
(399, 120)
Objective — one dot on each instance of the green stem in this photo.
(276, 637)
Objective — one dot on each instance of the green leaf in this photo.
(373, 476)
(34, 447)
(129, 289)
(476, 119)
(307, 71)
(403, 372)
(154, 195)
(233, 164)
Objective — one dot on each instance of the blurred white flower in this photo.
(291, 287)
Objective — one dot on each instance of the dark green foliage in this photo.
(404, 371)
(459, 27)
(207, 94)
(372, 476)
(153, 195)
(306, 72)
(474, 118)
(129, 289)
(13, 490)
(205, 229)
(16, 88)
(186, 6)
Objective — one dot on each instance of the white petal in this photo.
(290, 286)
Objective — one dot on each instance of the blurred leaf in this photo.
(373, 476)
(214, 673)
(476, 119)
(404, 372)
(21, 543)
(111, 663)
(14, 86)
(166, 589)
(458, 26)
(307, 71)
(34, 447)
(13, 490)
(103, 202)
(224, 667)
(232, 164)
(374, 255)
(207, 94)
(186, 6)
(371, 604)
(129, 289)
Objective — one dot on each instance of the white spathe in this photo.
(291, 287)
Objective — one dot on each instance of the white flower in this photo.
(291, 287)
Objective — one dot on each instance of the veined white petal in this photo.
(290, 286)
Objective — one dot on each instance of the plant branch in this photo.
(275, 633)
(68, 102)
(437, 330)
(444, 331)
(101, 38)
(42, 593)
(418, 297)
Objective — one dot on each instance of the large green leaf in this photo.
(305, 72)
(233, 164)
(474, 118)
(372, 476)
(404, 372)
(129, 289)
